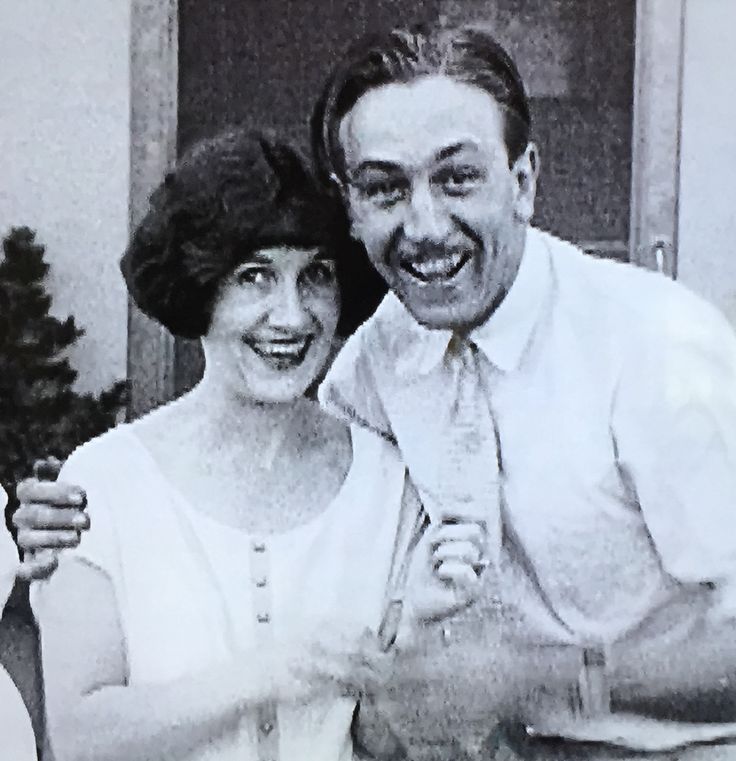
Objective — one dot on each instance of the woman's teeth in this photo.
(282, 352)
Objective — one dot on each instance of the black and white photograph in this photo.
(368, 380)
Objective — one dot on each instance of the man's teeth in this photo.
(437, 267)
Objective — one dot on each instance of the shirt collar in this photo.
(504, 336)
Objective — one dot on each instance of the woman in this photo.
(40, 531)
(241, 539)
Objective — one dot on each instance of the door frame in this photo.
(659, 48)
(655, 171)
(154, 74)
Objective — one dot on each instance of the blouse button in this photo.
(266, 727)
(263, 618)
(259, 547)
(261, 582)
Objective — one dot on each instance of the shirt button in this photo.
(261, 582)
(263, 618)
(267, 727)
(259, 547)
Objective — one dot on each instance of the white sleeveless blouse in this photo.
(191, 590)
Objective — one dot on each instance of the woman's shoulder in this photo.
(119, 449)
(100, 449)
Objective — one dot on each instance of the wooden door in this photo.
(603, 78)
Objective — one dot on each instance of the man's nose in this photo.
(426, 217)
(288, 308)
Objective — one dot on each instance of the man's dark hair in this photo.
(467, 54)
(227, 197)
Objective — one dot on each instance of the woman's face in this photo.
(274, 323)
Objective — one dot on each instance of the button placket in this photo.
(266, 713)
(259, 574)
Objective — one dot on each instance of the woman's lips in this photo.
(281, 353)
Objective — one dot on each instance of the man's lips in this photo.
(283, 353)
(436, 269)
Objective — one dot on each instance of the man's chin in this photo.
(435, 317)
(439, 314)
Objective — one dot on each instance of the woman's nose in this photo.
(288, 308)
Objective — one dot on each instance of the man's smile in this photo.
(436, 268)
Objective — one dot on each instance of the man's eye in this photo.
(319, 273)
(459, 179)
(254, 276)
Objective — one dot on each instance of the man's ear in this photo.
(526, 171)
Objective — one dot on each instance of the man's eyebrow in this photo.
(451, 150)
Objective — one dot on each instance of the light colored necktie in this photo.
(456, 720)
(469, 478)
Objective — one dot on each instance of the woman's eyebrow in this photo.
(255, 259)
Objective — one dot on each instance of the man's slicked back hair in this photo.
(468, 54)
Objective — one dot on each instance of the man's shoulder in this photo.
(628, 297)
(383, 337)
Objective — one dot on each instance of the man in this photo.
(603, 397)
(41, 529)
(603, 468)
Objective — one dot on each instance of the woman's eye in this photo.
(384, 192)
(319, 273)
(253, 276)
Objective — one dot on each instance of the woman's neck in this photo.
(231, 420)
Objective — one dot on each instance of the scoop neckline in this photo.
(198, 515)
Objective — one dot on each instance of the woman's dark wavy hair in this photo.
(468, 54)
(227, 197)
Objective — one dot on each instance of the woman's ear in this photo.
(526, 171)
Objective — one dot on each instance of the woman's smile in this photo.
(281, 354)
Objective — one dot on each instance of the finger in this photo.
(47, 469)
(38, 567)
(38, 516)
(30, 540)
(458, 575)
(463, 551)
(56, 493)
(460, 532)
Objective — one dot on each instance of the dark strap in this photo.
(403, 555)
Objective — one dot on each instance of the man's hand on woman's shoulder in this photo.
(51, 517)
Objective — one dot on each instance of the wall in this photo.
(707, 215)
(64, 132)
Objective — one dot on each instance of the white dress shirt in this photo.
(614, 391)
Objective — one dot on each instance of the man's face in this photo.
(432, 197)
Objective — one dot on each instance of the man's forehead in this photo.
(417, 120)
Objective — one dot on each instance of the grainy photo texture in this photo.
(368, 380)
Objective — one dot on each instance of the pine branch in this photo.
(41, 413)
